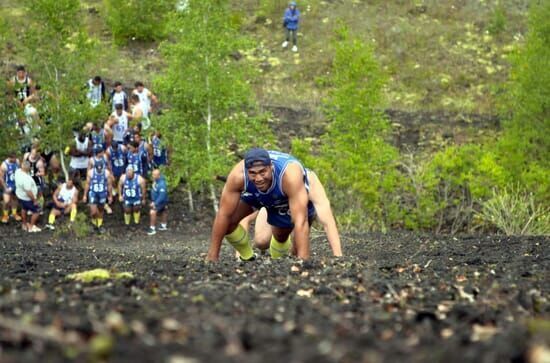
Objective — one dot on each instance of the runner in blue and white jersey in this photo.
(273, 180)
(7, 182)
(132, 195)
(98, 191)
(160, 152)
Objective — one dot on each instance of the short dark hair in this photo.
(139, 84)
(119, 106)
(118, 83)
(20, 68)
(97, 79)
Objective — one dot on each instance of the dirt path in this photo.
(395, 298)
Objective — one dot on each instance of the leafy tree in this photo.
(61, 52)
(8, 133)
(525, 144)
(355, 161)
(142, 20)
(211, 116)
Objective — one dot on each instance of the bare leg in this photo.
(247, 221)
(24, 219)
(153, 218)
(243, 210)
(34, 219)
(262, 230)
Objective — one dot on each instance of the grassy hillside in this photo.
(439, 55)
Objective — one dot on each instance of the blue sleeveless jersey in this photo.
(144, 157)
(9, 174)
(131, 190)
(134, 160)
(274, 199)
(98, 188)
(99, 162)
(98, 138)
(118, 161)
(159, 152)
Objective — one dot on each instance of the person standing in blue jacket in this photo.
(290, 22)
(159, 203)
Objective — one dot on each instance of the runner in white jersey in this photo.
(146, 97)
(65, 199)
(95, 91)
(120, 123)
(80, 153)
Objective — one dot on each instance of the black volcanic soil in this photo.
(392, 298)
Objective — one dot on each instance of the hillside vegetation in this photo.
(441, 61)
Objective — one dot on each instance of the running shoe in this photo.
(34, 229)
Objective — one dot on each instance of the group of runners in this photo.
(115, 160)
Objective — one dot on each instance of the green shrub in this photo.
(447, 189)
(212, 115)
(525, 144)
(138, 19)
(81, 226)
(355, 162)
(516, 212)
(497, 23)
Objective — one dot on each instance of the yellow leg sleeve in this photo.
(99, 222)
(241, 242)
(136, 217)
(279, 249)
(5, 212)
(72, 215)
(51, 218)
(14, 211)
(127, 218)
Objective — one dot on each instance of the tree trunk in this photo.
(190, 201)
(58, 109)
(208, 141)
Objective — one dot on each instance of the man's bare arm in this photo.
(121, 186)
(295, 190)
(143, 186)
(229, 201)
(87, 187)
(2, 181)
(318, 197)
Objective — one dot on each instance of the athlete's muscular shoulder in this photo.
(293, 179)
(235, 179)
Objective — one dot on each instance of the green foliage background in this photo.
(203, 81)
(208, 76)
(143, 20)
